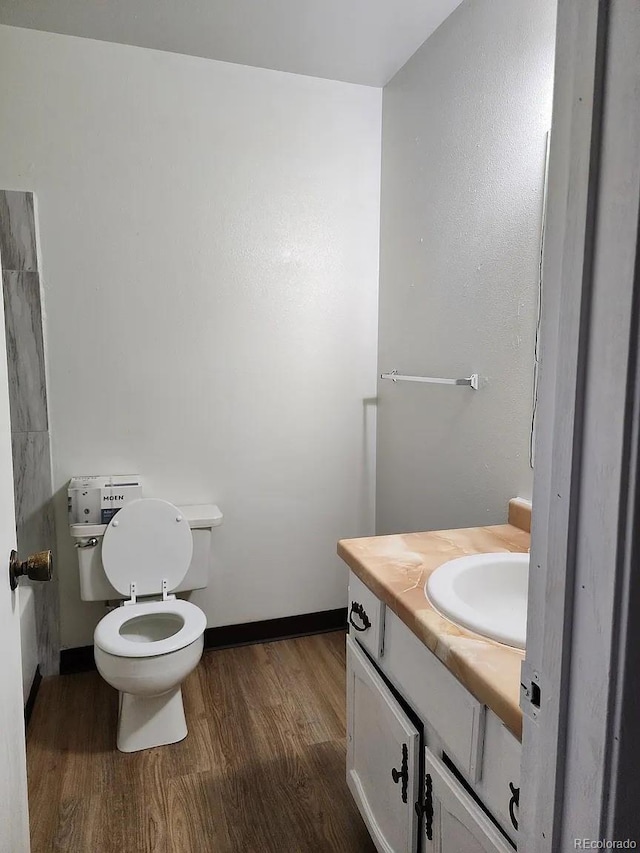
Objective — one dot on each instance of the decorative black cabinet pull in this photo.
(359, 611)
(514, 803)
(426, 808)
(403, 774)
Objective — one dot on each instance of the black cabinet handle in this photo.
(514, 803)
(403, 773)
(426, 808)
(361, 613)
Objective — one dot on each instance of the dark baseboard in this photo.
(31, 701)
(267, 631)
(75, 660)
(270, 630)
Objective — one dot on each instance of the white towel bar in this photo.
(471, 381)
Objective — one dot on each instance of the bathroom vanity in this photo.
(433, 718)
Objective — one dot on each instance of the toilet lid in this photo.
(146, 542)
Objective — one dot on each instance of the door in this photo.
(382, 757)
(580, 699)
(454, 822)
(14, 822)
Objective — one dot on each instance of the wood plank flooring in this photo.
(262, 769)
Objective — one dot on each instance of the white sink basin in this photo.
(486, 593)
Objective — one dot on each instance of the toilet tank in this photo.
(94, 585)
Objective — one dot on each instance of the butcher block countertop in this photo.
(396, 569)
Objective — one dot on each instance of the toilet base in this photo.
(148, 721)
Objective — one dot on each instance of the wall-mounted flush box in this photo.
(96, 499)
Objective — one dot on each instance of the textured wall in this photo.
(464, 127)
(210, 237)
(30, 438)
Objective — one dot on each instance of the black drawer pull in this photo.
(428, 806)
(403, 773)
(426, 809)
(359, 611)
(514, 802)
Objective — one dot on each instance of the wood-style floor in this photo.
(262, 769)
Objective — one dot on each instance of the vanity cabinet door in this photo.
(499, 787)
(453, 821)
(382, 757)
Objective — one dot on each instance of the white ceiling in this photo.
(358, 41)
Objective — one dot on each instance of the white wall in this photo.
(464, 126)
(209, 239)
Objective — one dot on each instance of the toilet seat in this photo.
(107, 635)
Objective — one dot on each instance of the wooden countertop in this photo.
(396, 569)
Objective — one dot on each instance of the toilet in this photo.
(147, 646)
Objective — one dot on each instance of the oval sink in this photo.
(486, 593)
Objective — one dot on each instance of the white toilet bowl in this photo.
(145, 649)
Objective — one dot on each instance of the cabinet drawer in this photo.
(435, 695)
(366, 617)
(499, 787)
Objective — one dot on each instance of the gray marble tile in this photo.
(35, 532)
(25, 351)
(32, 488)
(17, 231)
(48, 604)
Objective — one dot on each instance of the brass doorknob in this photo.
(37, 567)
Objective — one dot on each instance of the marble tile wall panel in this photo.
(35, 532)
(32, 487)
(28, 401)
(25, 351)
(17, 231)
(48, 603)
